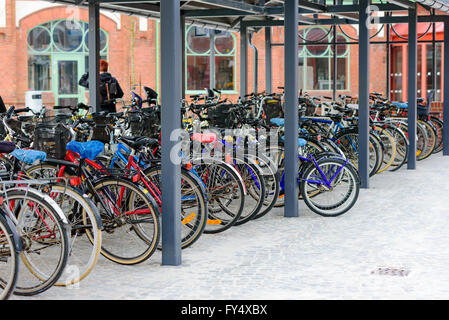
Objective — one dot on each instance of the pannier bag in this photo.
(52, 139)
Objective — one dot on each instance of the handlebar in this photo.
(22, 110)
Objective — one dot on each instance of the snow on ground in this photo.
(401, 222)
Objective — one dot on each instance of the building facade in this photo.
(43, 47)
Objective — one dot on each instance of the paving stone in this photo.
(400, 222)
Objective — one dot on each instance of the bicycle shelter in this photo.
(244, 16)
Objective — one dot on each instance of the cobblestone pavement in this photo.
(401, 223)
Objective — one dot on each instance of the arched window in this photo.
(208, 50)
(58, 56)
(315, 59)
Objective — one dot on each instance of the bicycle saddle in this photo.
(301, 141)
(207, 137)
(401, 105)
(136, 142)
(342, 109)
(279, 122)
(29, 156)
(7, 147)
(88, 150)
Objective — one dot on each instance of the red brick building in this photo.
(43, 47)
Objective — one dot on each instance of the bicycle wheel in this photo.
(342, 193)
(193, 204)
(422, 140)
(255, 187)
(276, 156)
(331, 146)
(389, 148)
(10, 248)
(130, 220)
(272, 184)
(82, 214)
(44, 171)
(44, 236)
(431, 133)
(226, 195)
(401, 147)
(379, 148)
(83, 217)
(439, 127)
(348, 142)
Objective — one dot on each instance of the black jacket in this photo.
(106, 80)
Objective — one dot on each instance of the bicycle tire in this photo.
(10, 247)
(83, 217)
(14, 196)
(148, 243)
(193, 221)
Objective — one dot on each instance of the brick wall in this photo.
(14, 53)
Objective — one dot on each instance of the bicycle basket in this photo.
(101, 130)
(135, 123)
(273, 109)
(51, 139)
(220, 117)
(144, 123)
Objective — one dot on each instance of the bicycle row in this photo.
(88, 184)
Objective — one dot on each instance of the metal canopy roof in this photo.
(227, 14)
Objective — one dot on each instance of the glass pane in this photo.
(198, 40)
(39, 39)
(224, 73)
(224, 43)
(438, 70)
(67, 36)
(378, 68)
(39, 72)
(67, 101)
(198, 72)
(317, 74)
(420, 72)
(342, 49)
(317, 50)
(396, 73)
(399, 31)
(429, 67)
(317, 34)
(67, 77)
(342, 70)
(301, 38)
(301, 71)
(103, 40)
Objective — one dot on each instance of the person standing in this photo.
(109, 87)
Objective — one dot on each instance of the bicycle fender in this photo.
(13, 229)
(47, 198)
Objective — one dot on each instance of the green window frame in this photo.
(324, 54)
(210, 56)
(51, 46)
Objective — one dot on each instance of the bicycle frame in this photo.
(322, 179)
(85, 175)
